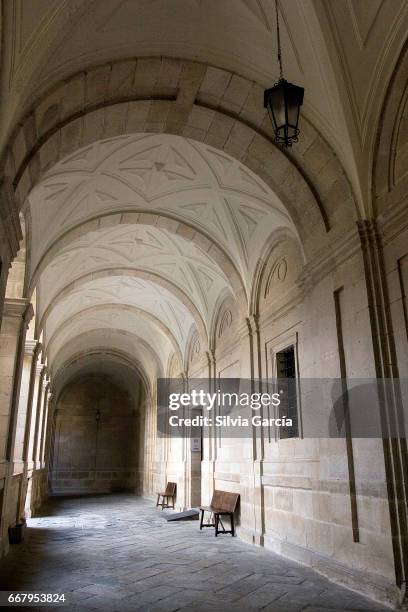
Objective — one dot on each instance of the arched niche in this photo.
(174, 367)
(226, 324)
(278, 282)
(195, 354)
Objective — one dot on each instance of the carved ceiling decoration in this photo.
(193, 182)
(115, 291)
(147, 249)
(97, 264)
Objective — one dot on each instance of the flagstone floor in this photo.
(117, 553)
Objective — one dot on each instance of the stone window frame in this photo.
(282, 342)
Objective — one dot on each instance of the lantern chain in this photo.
(279, 42)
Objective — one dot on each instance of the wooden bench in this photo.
(222, 504)
(168, 494)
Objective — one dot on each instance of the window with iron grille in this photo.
(286, 371)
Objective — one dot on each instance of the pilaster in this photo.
(395, 448)
(16, 317)
(251, 479)
(42, 371)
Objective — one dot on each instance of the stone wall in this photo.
(95, 447)
(295, 493)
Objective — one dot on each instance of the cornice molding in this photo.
(393, 220)
(283, 310)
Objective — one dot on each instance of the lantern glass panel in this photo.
(277, 106)
(294, 98)
(283, 102)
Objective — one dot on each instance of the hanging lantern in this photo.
(283, 102)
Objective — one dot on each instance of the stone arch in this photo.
(120, 356)
(17, 276)
(106, 105)
(390, 179)
(26, 212)
(10, 233)
(116, 307)
(100, 346)
(133, 272)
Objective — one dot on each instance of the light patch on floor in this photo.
(117, 552)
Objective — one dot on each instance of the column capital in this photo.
(210, 354)
(40, 369)
(253, 323)
(244, 329)
(28, 314)
(32, 348)
(18, 308)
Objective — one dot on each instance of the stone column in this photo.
(251, 480)
(30, 398)
(23, 406)
(38, 414)
(209, 439)
(36, 369)
(44, 425)
(36, 382)
(394, 440)
(32, 349)
(50, 430)
(43, 416)
(16, 317)
(258, 437)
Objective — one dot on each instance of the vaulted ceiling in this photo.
(99, 267)
(142, 285)
(166, 174)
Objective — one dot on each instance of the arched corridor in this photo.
(154, 236)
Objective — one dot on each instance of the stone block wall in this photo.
(95, 447)
(295, 493)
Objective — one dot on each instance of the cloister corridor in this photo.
(197, 194)
(116, 553)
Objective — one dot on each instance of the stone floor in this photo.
(117, 553)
